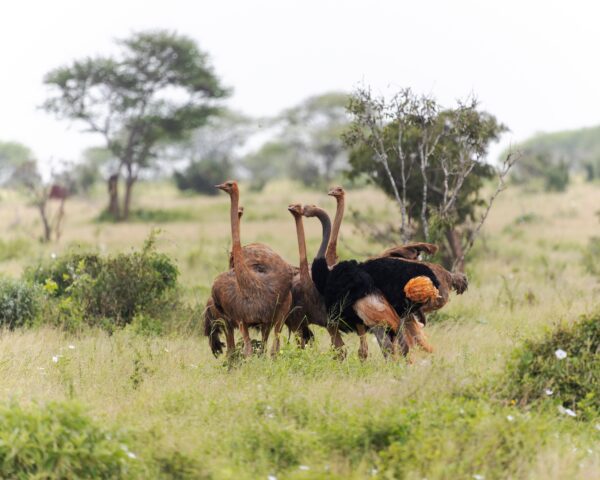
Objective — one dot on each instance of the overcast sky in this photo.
(533, 64)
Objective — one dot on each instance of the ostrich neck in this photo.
(331, 254)
(302, 248)
(242, 273)
(326, 224)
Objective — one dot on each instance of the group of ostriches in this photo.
(388, 294)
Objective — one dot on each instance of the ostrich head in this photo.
(336, 192)
(295, 209)
(310, 210)
(230, 186)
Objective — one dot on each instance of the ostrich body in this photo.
(258, 296)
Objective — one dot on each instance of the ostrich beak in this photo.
(221, 186)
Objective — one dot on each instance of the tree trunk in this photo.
(45, 222)
(113, 196)
(129, 181)
(456, 249)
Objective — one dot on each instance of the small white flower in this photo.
(374, 471)
(71, 347)
(566, 411)
(166, 350)
(597, 426)
(478, 477)
(549, 391)
(193, 366)
(131, 455)
(590, 451)
(304, 467)
(510, 418)
(41, 369)
(53, 256)
(560, 354)
(55, 358)
(271, 477)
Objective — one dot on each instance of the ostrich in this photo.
(309, 307)
(374, 293)
(411, 251)
(257, 295)
(215, 321)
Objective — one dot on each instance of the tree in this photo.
(313, 129)
(27, 177)
(428, 158)
(270, 161)
(211, 152)
(159, 88)
(12, 156)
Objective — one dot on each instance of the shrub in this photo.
(58, 275)
(19, 303)
(58, 441)
(110, 291)
(539, 372)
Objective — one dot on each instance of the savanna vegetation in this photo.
(148, 400)
(104, 367)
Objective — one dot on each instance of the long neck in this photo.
(240, 268)
(326, 224)
(331, 254)
(302, 248)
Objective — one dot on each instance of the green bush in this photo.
(538, 372)
(58, 275)
(19, 303)
(110, 291)
(58, 441)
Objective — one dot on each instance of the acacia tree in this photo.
(429, 159)
(157, 89)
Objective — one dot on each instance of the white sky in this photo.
(532, 63)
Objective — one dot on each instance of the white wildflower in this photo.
(549, 391)
(560, 354)
(374, 471)
(71, 347)
(166, 350)
(566, 411)
(131, 455)
(55, 358)
(53, 256)
(304, 467)
(478, 477)
(597, 426)
(271, 477)
(510, 418)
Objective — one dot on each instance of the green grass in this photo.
(305, 415)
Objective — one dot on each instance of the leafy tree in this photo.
(428, 158)
(158, 89)
(12, 156)
(211, 152)
(271, 161)
(313, 130)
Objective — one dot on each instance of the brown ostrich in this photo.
(308, 305)
(331, 254)
(257, 295)
(216, 322)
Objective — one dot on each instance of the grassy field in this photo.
(184, 414)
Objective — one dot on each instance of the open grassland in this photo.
(185, 414)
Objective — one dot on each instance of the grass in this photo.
(306, 415)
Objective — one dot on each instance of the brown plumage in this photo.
(421, 290)
(256, 295)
